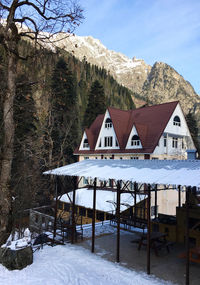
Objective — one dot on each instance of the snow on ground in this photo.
(73, 265)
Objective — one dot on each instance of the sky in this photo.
(153, 30)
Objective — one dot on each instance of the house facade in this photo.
(153, 132)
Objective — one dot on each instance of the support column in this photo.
(187, 245)
(118, 220)
(156, 201)
(148, 228)
(55, 209)
(179, 196)
(94, 214)
(135, 203)
(73, 210)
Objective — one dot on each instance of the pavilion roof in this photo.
(170, 172)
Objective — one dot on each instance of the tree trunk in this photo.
(7, 155)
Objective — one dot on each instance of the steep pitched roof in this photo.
(150, 123)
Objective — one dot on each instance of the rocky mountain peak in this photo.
(156, 84)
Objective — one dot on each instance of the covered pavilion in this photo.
(172, 174)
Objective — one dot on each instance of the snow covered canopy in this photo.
(170, 172)
(104, 202)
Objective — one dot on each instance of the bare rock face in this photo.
(155, 85)
(164, 84)
(16, 259)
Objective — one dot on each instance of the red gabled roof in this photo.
(150, 123)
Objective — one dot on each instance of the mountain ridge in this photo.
(155, 84)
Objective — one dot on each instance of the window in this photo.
(134, 157)
(66, 207)
(177, 121)
(135, 140)
(183, 144)
(116, 143)
(85, 143)
(175, 142)
(100, 216)
(110, 182)
(100, 143)
(108, 141)
(85, 181)
(90, 213)
(82, 211)
(165, 141)
(108, 123)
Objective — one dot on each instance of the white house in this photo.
(154, 132)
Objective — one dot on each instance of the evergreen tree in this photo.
(96, 103)
(192, 124)
(64, 114)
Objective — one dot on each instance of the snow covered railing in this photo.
(40, 222)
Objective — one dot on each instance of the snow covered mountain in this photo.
(131, 73)
(155, 84)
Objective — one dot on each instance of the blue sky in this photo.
(154, 30)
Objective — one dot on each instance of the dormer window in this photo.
(108, 123)
(85, 143)
(177, 121)
(135, 141)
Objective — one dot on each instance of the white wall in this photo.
(106, 132)
(129, 146)
(181, 132)
(81, 145)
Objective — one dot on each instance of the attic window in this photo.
(177, 121)
(135, 141)
(108, 123)
(85, 143)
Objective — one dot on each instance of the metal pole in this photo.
(55, 209)
(135, 202)
(187, 245)
(156, 202)
(118, 219)
(179, 196)
(148, 227)
(94, 214)
(73, 209)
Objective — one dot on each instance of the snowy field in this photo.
(73, 265)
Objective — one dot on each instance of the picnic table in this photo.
(157, 241)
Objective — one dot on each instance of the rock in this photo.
(16, 259)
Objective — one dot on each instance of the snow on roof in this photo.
(105, 200)
(171, 172)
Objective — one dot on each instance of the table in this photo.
(157, 241)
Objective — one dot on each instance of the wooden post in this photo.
(94, 214)
(135, 202)
(55, 209)
(73, 210)
(179, 196)
(156, 202)
(187, 245)
(148, 227)
(118, 220)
